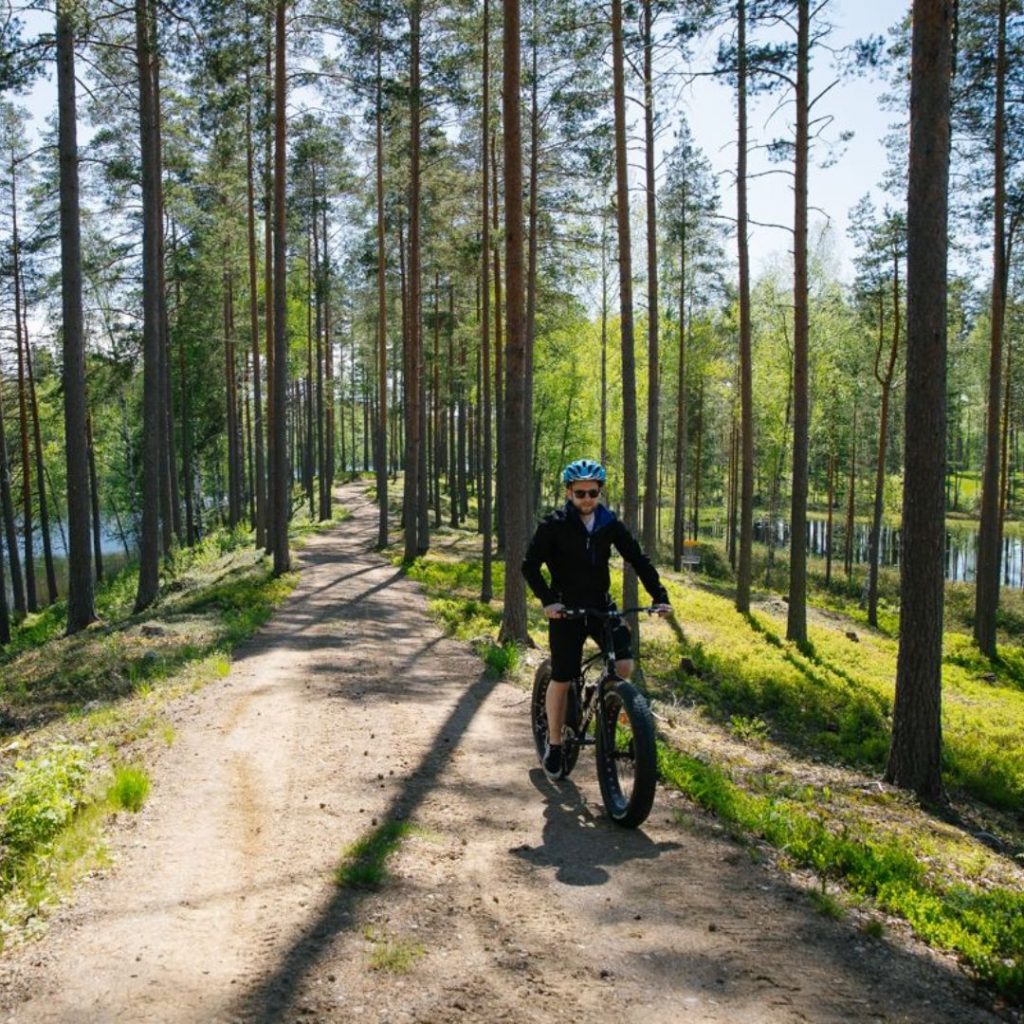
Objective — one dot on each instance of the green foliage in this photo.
(37, 803)
(364, 864)
(130, 788)
(501, 659)
(393, 954)
(985, 928)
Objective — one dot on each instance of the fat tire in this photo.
(627, 797)
(539, 717)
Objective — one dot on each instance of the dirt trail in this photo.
(349, 710)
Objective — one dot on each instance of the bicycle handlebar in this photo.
(604, 613)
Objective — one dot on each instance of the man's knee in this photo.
(624, 668)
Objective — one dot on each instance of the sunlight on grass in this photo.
(364, 863)
(129, 789)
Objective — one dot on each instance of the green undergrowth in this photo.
(74, 710)
(982, 924)
(364, 863)
(829, 701)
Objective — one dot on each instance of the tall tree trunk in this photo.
(5, 616)
(850, 497)
(828, 526)
(629, 439)
(44, 513)
(796, 623)
(487, 458)
(513, 621)
(915, 754)
(323, 511)
(884, 379)
(231, 403)
(604, 338)
(986, 592)
(744, 570)
(682, 416)
(281, 483)
(698, 463)
(260, 474)
(413, 361)
(329, 377)
(21, 343)
(149, 545)
(531, 265)
(499, 356)
(269, 279)
(94, 494)
(1004, 461)
(382, 306)
(170, 505)
(81, 607)
(650, 519)
(7, 502)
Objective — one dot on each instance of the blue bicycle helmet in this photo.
(583, 469)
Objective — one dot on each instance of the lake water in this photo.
(961, 546)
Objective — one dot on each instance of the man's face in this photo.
(584, 495)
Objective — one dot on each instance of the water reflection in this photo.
(961, 546)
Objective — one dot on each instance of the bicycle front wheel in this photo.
(539, 718)
(627, 761)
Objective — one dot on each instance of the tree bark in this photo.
(413, 359)
(487, 458)
(44, 508)
(744, 570)
(650, 517)
(260, 473)
(513, 622)
(989, 536)
(915, 752)
(382, 306)
(629, 439)
(796, 623)
(21, 342)
(682, 416)
(81, 606)
(7, 503)
(94, 494)
(149, 543)
(281, 476)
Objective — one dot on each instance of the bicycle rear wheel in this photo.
(627, 761)
(539, 718)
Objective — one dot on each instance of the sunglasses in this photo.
(590, 492)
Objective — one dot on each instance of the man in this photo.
(575, 543)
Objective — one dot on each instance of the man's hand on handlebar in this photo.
(554, 611)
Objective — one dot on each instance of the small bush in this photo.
(130, 788)
(502, 659)
(38, 802)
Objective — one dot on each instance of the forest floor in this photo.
(350, 719)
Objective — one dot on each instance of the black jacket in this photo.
(578, 560)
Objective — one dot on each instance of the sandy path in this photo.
(523, 903)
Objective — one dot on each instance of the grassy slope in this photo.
(785, 745)
(73, 710)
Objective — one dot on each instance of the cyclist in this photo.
(575, 543)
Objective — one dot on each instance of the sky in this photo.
(709, 108)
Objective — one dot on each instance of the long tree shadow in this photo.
(271, 999)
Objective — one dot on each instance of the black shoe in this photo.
(553, 767)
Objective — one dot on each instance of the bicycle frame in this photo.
(585, 690)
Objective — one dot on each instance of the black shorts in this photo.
(566, 638)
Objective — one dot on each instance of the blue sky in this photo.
(854, 103)
(709, 108)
